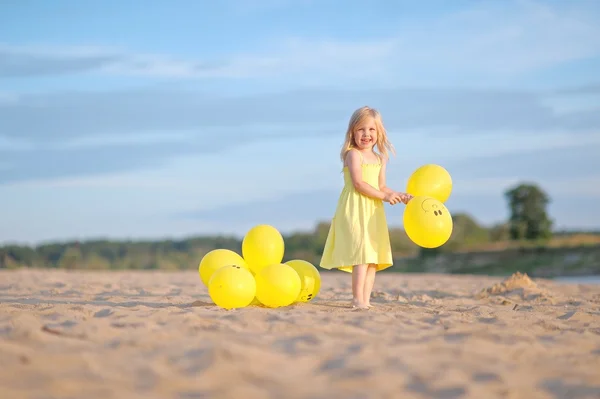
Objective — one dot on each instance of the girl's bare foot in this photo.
(358, 305)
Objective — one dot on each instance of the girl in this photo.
(358, 239)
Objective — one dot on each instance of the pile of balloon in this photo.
(427, 221)
(257, 276)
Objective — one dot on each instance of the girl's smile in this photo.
(365, 140)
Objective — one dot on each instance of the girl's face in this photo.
(365, 134)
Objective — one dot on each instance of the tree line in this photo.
(528, 222)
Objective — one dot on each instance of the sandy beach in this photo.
(157, 335)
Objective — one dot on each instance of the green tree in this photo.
(499, 232)
(528, 217)
(71, 258)
(466, 231)
(95, 262)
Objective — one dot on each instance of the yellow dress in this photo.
(358, 233)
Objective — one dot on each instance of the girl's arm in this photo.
(382, 182)
(404, 197)
(353, 161)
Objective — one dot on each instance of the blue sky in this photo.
(124, 119)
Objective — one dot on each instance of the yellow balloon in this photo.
(432, 181)
(263, 245)
(277, 285)
(216, 259)
(232, 287)
(309, 277)
(427, 222)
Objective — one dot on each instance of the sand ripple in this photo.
(157, 335)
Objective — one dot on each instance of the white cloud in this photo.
(587, 186)
(510, 37)
(252, 172)
(451, 147)
(567, 104)
(494, 38)
(258, 6)
(197, 173)
(290, 56)
(97, 141)
(109, 140)
(13, 144)
(7, 98)
(130, 180)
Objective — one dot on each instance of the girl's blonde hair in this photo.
(383, 144)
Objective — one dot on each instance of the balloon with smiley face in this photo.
(427, 222)
(310, 278)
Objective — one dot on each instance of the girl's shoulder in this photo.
(353, 154)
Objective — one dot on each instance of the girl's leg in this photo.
(369, 282)
(359, 273)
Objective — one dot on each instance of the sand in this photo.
(157, 335)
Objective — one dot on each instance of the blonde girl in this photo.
(358, 239)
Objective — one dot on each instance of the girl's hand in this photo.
(392, 198)
(405, 197)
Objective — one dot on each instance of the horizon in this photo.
(235, 236)
(119, 122)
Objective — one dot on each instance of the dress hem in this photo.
(348, 268)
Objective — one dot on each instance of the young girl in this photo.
(358, 239)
